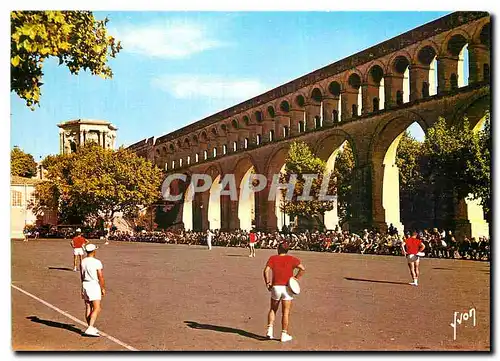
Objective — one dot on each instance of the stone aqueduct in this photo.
(367, 99)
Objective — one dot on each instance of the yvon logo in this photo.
(459, 317)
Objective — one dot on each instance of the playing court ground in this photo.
(176, 297)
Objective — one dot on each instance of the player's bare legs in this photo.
(417, 269)
(285, 312)
(96, 308)
(410, 267)
(88, 311)
(252, 250)
(75, 262)
(414, 272)
(271, 316)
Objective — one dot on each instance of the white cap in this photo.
(78, 230)
(90, 247)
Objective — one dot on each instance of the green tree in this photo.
(459, 159)
(49, 160)
(95, 183)
(343, 171)
(484, 188)
(301, 161)
(22, 164)
(76, 38)
(417, 204)
(408, 159)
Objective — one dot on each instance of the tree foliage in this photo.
(301, 161)
(22, 164)
(343, 171)
(49, 160)
(459, 159)
(409, 158)
(95, 183)
(483, 191)
(416, 195)
(76, 38)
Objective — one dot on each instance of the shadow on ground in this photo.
(204, 326)
(66, 326)
(62, 268)
(375, 281)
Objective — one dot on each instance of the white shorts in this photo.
(252, 245)
(281, 293)
(78, 251)
(91, 291)
(412, 258)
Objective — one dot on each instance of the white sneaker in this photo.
(285, 337)
(250, 256)
(92, 331)
(413, 283)
(270, 333)
(74, 269)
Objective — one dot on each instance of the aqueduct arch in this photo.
(386, 201)
(474, 110)
(469, 215)
(328, 150)
(243, 210)
(207, 211)
(274, 166)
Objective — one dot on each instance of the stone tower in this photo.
(75, 133)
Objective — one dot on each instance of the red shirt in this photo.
(78, 242)
(413, 245)
(252, 237)
(282, 267)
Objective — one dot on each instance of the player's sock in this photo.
(270, 333)
(285, 336)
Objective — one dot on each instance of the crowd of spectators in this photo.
(63, 231)
(438, 244)
(142, 236)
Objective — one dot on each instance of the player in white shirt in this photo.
(209, 239)
(92, 288)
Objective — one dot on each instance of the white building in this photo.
(21, 193)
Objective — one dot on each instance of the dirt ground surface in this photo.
(176, 297)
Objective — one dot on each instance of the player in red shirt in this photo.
(252, 240)
(411, 247)
(77, 243)
(283, 266)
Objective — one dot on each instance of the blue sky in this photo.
(178, 67)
